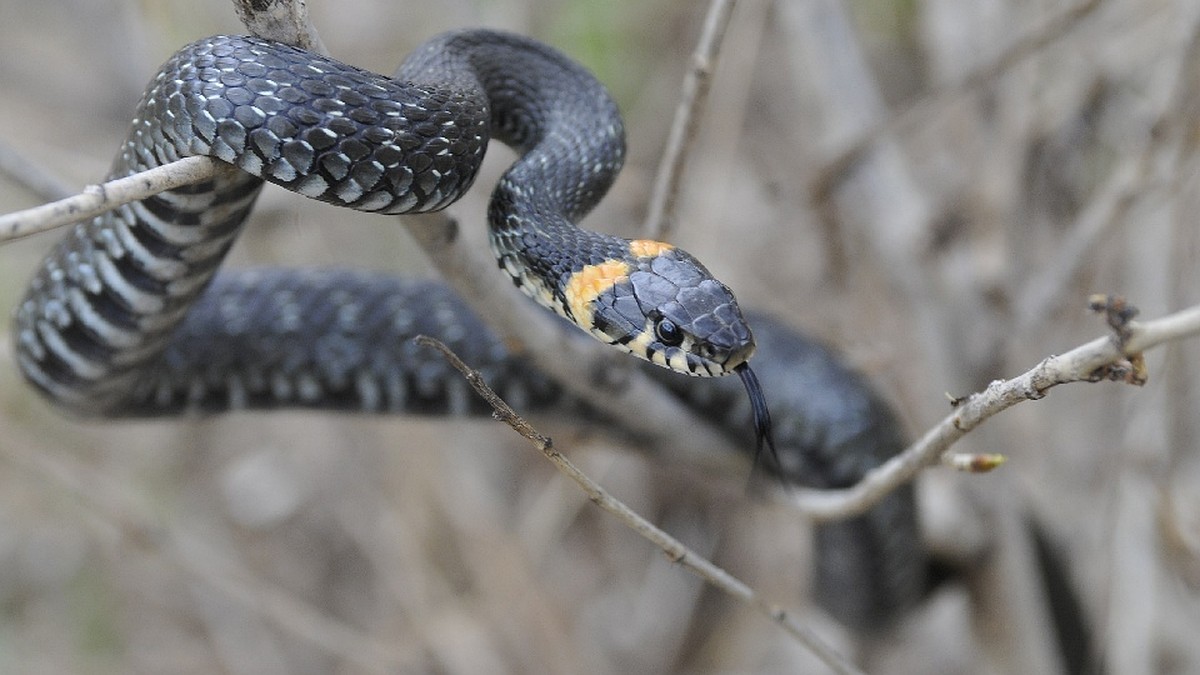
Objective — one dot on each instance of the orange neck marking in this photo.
(648, 248)
(588, 283)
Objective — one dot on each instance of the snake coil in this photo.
(104, 303)
(127, 315)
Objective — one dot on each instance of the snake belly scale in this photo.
(104, 303)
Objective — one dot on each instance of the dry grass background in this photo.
(933, 186)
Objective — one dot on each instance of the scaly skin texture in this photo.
(101, 307)
(117, 322)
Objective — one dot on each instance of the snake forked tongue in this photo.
(762, 415)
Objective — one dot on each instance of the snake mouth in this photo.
(739, 360)
(762, 415)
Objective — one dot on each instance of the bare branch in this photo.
(281, 20)
(1116, 357)
(663, 199)
(96, 199)
(675, 551)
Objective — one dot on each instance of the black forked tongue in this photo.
(762, 416)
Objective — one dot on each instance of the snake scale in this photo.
(127, 315)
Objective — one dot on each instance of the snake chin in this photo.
(683, 359)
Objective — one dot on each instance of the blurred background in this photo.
(932, 186)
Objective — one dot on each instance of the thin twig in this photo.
(282, 20)
(675, 551)
(1112, 357)
(660, 217)
(96, 199)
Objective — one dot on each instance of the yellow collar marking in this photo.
(588, 283)
(648, 248)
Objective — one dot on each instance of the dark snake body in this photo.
(118, 322)
(104, 303)
(247, 345)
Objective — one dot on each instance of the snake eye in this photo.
(668, 333)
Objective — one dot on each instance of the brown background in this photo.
(1011, 163)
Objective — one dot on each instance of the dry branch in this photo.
(282, 20)
(675, 551)
(1115, 357)
(96, 199)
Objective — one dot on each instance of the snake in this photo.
(129, 315)
(103, 304)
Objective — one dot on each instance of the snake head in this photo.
(661, 304)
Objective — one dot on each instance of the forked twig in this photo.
(1115, 357)
(675, 551)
